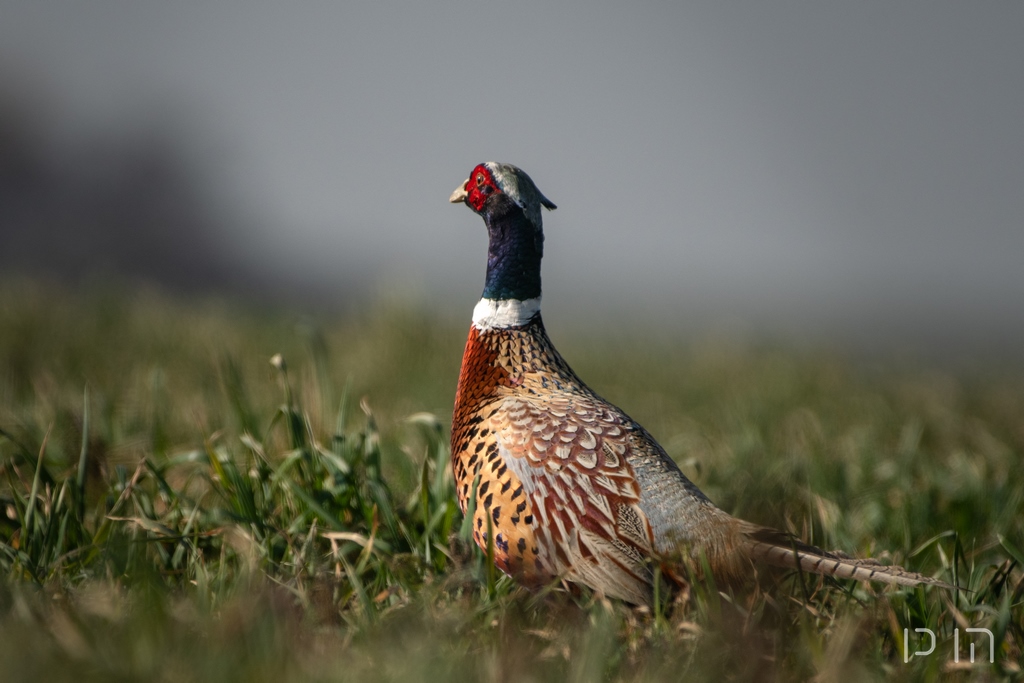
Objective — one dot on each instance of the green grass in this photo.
(173, 506)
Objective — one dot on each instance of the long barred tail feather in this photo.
(783, 550)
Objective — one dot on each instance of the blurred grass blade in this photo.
(27, 533)
(1012, 549)
(83, 457)
(466, 529)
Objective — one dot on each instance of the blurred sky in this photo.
(853, 170)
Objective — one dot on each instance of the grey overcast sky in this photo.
(848, 168)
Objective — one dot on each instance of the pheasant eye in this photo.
(480, 179)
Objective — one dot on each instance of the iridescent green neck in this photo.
(514, 252)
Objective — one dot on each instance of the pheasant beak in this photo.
(460, 194)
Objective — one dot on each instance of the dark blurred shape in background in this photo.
(123, 206)
(130, 206)
(126, 206)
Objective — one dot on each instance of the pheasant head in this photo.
(510, 204)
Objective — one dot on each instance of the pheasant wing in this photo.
(569, 454)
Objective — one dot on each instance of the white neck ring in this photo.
(501, 313)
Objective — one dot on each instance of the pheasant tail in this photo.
(779, 549)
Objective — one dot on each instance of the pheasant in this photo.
(562, 484)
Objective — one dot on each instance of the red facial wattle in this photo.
(479, 187)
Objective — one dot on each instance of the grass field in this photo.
(179, 508)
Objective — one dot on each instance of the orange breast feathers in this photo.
(501, 510)
(479, 379)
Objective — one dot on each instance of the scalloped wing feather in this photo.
(569, 452)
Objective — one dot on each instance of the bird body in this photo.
(561, 483)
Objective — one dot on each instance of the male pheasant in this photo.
(563, 484)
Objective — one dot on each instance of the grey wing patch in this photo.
(677, 511)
